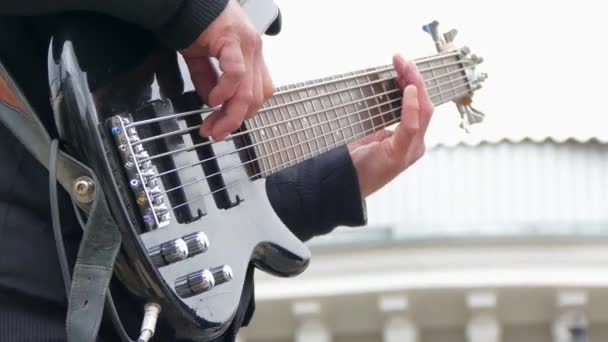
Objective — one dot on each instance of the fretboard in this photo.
(306, 119)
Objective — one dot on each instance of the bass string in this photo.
(285, 149)
(296, 89)
(279, 167)
(282, 136)
(272, 170)
(286, 121)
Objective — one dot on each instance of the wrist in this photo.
(373, 170)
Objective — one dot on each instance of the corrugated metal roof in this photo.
(505, 187)
(555, 139)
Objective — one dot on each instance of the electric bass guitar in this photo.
(193, 213)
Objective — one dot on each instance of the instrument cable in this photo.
(151, 309)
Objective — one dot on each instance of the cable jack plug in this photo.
(148, 326)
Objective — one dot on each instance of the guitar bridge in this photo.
(146, 188)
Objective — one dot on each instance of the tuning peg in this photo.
(469, 116)
(482, 77)
(450, 35)
(477, 116)
(476, 59)
(472, 116)
(463, 122)
(432, 29)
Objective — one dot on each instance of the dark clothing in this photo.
(311, 198)
(176, 23)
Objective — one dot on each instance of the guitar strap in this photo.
(101, 238)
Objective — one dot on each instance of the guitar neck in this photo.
(306, 119)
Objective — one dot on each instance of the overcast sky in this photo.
(546, 59)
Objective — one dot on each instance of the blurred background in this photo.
(495, 236)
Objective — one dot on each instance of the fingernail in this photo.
(219, 136)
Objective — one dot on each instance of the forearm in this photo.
(177, 22)
(318, 195)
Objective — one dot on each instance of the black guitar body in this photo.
(101, 71)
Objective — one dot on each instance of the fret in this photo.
(313, 120)
(282, 135)
(393, 101)
(301, 136)
(368, 120)
(269, 141)
(446, 80)
(429, 78)
(306, 120)
(382, 101)
(360, 116)
(284, 129)
(270, 155)
(336, 122)
(293, 131)
(279, 138)
(457, 78)
(259, 145)
(328, 121)
(317, 122)
(352, 118)
(345, 118)
(378, 118)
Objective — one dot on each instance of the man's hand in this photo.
(380, 157)
(245, 82)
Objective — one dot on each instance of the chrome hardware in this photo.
(222, 274)
(147, 191)
(469, 116)
(152, 183)
(444, 43)
(84, 189)
(450, 35)
(142, 155)
(168, 252)
(433, 29)
(154, 191)
(149, 173)
(161, 208)
(476, 59)
(482, 77)
(158, 201)
(194, 283)
(197, 243)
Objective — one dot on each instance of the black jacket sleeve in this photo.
(315, 196)
(177, 23)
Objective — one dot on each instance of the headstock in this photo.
(444, 43)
